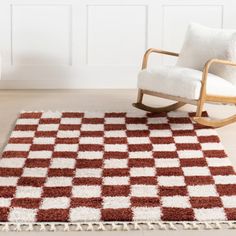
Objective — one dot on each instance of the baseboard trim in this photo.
(63, 84)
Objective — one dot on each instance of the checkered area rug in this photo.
(83, 167)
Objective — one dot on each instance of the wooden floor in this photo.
(12, 102)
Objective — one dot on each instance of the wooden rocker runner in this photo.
(205, 72)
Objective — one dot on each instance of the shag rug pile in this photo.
(79, 168)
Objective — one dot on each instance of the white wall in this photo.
(95, 43)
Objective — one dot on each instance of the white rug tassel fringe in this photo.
(101, 227)
(18, 227)
(232, 225)
(66, 227)
(161, 226)
(52, 227)
(90, 227)
(78, 227)
(172, 226)
(136, 226)
(150, 226)
(125, 227)
(115, 226)
(5, 228)
(42, 227)
(30, 227)
(207, 225)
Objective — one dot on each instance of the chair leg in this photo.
(171, 107)
(211, 123)
(140, 96)
(215, 123)
(200, 106)
(141, 106)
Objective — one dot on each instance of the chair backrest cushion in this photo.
(202, 44)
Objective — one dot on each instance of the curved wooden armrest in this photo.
(151, 50)
(214, 98)
(207, 67)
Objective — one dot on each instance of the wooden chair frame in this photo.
(204, 97)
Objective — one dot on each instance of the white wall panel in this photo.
(117, 35)
(41, 34)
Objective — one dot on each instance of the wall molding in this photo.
(70, 8)
(146, 7)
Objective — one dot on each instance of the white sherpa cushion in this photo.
(202, 44)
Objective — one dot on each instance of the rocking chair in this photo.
(204, 73)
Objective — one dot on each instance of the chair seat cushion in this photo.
(182, 82)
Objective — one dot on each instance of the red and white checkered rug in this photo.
(99, 167)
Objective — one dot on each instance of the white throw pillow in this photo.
(202, 44)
